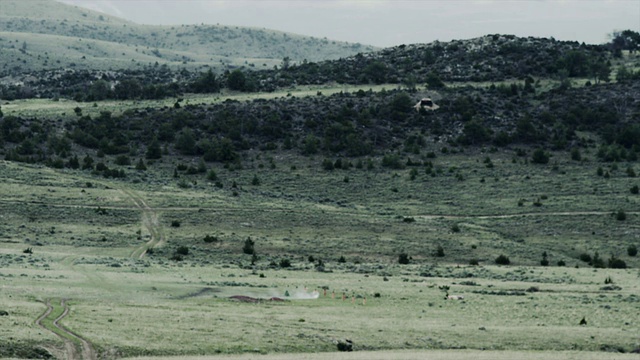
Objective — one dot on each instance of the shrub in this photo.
(175, 223)
(248, 247)
(540, 157)
(632, 250)
(182, 250)
(474, 262)
(440, 251)
(255, 181)
(327, 164)
(597, 261)
(544, 262)
(141, 165)
(285, 263)
(545, 259)
(210, 239)
(585, 257)
(575, 154)
(342, 259)
(123, 160)
(502, 260)
(455, 228)
(635, 189)
(561, 263)
(212, 176)
(616, 263)
(621, 215)
(403, 258)
(409, 220)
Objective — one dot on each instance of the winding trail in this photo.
(70, 338)
(149, 221)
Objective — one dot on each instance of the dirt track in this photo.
(71, 349)
(149, 221)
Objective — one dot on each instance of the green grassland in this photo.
(86, 233)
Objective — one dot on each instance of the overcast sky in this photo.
(392, 22)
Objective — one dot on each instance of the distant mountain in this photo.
(45, 34)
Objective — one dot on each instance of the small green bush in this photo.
(210, 239)
(616, 263)
(175, 223)
(621, 215)
(182, 250)
(403, 259)
(585, 257)
(440, 251)
(249, 246)
(540, 157)
(635, 189)
(502, 260)
(255, 181)
(632, 250)
(285, 263)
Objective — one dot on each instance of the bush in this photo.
(632, 250)
(503, 260)
(616, 263)
(403, 258)
(544, 262)
(248, 247)
(540, 157)
(182, 250)
(285, 263)
(474, 262)
(585, 257)
(455, 228)
(597, 261)
(175, 223)
(621, 215)
(635, 189)
(255, 181)
(440, 251)
(210, 239)
(123, 160)
(561, 263)
(212, 176)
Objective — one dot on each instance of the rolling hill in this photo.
(45, 34)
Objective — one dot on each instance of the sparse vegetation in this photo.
(153, 204)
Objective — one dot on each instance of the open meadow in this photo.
(148, 266)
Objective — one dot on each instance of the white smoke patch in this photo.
(286, 294)
(303, 295)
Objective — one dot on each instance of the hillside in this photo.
(44, 34)
(316, 207)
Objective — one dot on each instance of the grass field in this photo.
(87, 233)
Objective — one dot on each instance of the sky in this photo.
(386, 23)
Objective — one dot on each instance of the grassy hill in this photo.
(221, 212)
(45, 34)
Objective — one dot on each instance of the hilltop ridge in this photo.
(46, 34)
